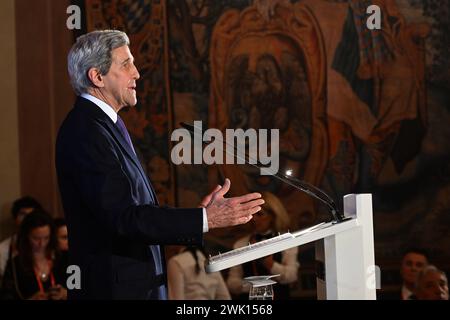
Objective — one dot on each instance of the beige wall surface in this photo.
(44, 94)
(9, 140)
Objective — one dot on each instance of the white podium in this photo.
(344, 252)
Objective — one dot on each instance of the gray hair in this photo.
(429, 268)
(93, 50)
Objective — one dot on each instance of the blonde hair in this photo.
(276, 208)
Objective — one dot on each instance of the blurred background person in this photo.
(8, 247)
(62, 241)
(413, 261)
(267, 223)
(36, 273)
(188, 280)
(431, 284)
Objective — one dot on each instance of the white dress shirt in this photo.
(406, 293)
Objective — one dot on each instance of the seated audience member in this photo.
(414, 260)
(8, 247)
(270, 221)
(187, 279)
(62, 242)
(36, 273)
(431, 284)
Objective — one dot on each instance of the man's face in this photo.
(61, 236)
(411, 265)
(433, 286)
(120, 81)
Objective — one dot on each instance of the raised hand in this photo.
(57, 293)
(39, 296)
(206, 200)
(225, 212)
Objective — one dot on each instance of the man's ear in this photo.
(96, 77)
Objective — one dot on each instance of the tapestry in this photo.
(358, 111)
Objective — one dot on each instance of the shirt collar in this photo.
(102, 105)
(406, 293)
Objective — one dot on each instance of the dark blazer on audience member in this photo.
(112, 212)
(19, 283)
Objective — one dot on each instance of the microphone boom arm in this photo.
(293, 182)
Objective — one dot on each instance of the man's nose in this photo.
(136, 74)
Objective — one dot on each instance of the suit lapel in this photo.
(125, 146)
(94, 111)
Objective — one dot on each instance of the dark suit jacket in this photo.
(112, 211)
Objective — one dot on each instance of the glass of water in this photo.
(264, 292)
(261, 289)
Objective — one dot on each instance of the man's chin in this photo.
(132, 103)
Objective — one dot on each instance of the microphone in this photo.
(301, 185)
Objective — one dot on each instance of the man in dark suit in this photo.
(115, 224)
(414, 260)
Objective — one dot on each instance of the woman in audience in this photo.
(270, 221)
(187, 279)
(8, 247)
(36, 273)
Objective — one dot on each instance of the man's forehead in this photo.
(414, 256)
(121, 53)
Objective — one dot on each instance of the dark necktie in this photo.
(123, 129)
(161, 293)
(161, 290)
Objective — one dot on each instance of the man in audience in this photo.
(414, 260)
(431, 284)
(62, 240)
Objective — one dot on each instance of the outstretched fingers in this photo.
(248, 197)
(253, 210)
(248, 213)
(244, 219)
(251, 204)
